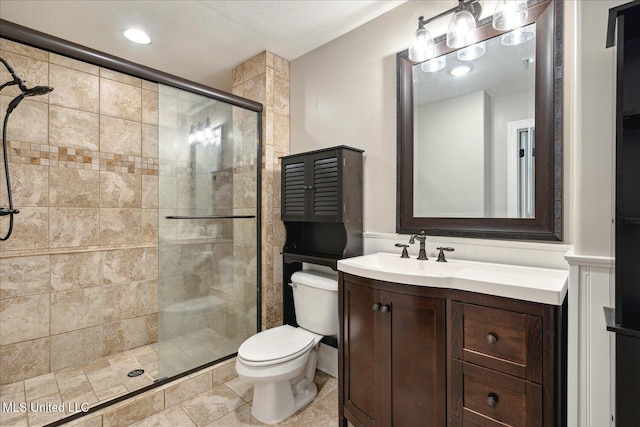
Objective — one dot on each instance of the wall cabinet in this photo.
(321, 209)
(413, 355)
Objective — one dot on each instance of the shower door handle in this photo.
(210, 217)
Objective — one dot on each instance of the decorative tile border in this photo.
(77, 158)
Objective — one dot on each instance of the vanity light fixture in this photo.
(137, 36)
(460, 32)
(435, 64)
(460, 70)
(472, 52)
(510, 14)
(203, 134)
(518, 36)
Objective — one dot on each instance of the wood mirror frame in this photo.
(547, 221)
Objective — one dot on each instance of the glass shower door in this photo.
(208, 229)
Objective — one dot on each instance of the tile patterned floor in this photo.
(229, 405)
(93, 383)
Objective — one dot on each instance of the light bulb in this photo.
(472, 52)
(137, 36)
(462, 29)
(422, 46)
(435, 64)
(518, 36)
(510, 14)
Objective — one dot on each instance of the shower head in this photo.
(34, 91)
(37, 90)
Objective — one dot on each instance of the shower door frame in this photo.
(37, 39)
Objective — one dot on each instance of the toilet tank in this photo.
(315, 298)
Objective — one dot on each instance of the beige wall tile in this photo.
(280, 135)
(150, 225)
(74, 188)
(18, 320)
(44, 417)
(224, 372)
(128, 300)
(120, 100)
(30, 229)
(254, 88)
(23, 276)
(281, 67)
(149, 141)
(76, 271)
(76, 347)
(149, 192)
(130, 333)
(147, 85)
(120, 77)
(35, 71)
(40, 386)
(120, 136)
(136, 410)
(64, 61)
(33, 111)
(254, 66)
(168, 109)
(130, 265)
(30, 184)
(74, 89)
(150, 107)
(120, 190)
(24, 360)
(76, 309)
(23, 49)
(74, 128)
(120, 226)
(73, 227)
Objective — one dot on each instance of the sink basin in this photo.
(542, 285)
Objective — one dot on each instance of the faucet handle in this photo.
(441, 257)
(404, 247)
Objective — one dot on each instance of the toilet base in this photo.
(274, 402)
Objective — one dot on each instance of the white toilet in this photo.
(281, 362)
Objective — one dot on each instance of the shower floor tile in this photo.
(90, 384)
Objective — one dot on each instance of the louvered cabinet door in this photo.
(294, 189)
(324, 194)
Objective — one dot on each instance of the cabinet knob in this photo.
(376, 306)
(491, 338)
(492, 400)
(385, 308)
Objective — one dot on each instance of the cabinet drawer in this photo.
(490, 398)
(504, 340)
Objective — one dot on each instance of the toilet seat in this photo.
(276, 345)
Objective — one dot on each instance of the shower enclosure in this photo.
(134, 259)
(208, 229)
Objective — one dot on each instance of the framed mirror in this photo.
(480, 153)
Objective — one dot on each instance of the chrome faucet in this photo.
(422, 238)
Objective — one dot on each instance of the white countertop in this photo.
(542, 285)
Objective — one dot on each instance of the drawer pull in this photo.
(491, 338)
(376, 306)
(492, 400)
(385, 308)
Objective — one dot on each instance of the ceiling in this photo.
(197, 40)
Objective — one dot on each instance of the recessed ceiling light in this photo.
(137, 36)
(460, 71)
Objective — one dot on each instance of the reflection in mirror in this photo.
(474, 110)
(480, 151)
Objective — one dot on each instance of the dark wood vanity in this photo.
(420, 356)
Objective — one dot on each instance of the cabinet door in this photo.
(325, 198)
(360, 372)
(418, 361)
(294, 189)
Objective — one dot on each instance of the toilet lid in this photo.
(283, 342)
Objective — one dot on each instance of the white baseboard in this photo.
(328, 360)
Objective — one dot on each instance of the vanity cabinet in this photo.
(392, 365)
(416, 355)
